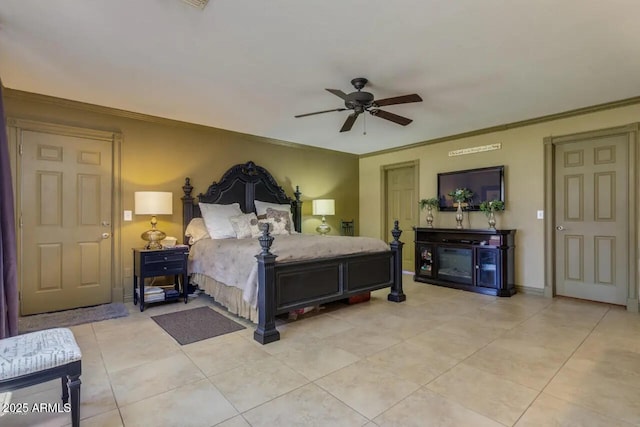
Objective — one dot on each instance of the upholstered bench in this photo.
(42, 356)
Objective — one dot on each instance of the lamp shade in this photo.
(324, 207)
(153, 202)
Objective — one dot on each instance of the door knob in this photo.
(106, 235)
(559, 227)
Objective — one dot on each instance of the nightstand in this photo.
(160, 262)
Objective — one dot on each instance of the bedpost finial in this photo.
(187, 188)
(297, 193)
(266, 240)
(396, 232)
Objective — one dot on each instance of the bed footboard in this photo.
(287, 286)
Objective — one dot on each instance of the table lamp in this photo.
(153, 203)
(324, 207)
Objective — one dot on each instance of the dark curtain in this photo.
(8, 258)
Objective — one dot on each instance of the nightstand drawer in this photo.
(152, 258)
(166, 268)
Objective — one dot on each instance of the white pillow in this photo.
(196, 230)
(245, 225)
(216, 218)
(261, 210)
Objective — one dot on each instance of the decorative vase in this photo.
(492, 220)
(429, 217)
(459, 216)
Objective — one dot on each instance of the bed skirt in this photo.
(228, 296)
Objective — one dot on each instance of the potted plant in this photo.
(461, 197)
(489, 207)
(430, 204)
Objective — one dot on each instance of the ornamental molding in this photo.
(478, 149)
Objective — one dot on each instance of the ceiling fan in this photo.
(360, 102)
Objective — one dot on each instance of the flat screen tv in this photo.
(485, 183)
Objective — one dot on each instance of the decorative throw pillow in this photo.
(280, 216)
(216, 218)
(196, 230)
(261, 207)
(245, 225)
(275, 228)
(261, 211)
(255, 226)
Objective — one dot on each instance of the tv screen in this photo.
(485, 183)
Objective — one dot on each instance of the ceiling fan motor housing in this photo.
(358, 99)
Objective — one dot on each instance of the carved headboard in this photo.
(242, 183)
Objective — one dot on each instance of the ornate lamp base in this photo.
(153, 236)
(323, 228)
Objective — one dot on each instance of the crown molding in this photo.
(499, 128)
(99, 109)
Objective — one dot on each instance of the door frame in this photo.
(550, 144)
(384, 223)
(15, 128)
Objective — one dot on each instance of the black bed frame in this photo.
(290, 285)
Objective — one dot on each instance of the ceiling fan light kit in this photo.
(360, 101)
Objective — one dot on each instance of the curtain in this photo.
(8, 257)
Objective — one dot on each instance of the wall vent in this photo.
(200, 4)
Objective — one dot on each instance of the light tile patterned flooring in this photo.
(442, 358)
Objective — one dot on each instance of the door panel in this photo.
(591, 219)
(402, 205)
(65, 204)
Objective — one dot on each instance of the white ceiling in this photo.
(251, 65)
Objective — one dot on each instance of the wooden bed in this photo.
(288, 286)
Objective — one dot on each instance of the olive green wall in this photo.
(158, 154)
(522, 153)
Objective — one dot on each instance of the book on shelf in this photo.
(171, 293)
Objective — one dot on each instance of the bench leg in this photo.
(65, 390)
(74, 387)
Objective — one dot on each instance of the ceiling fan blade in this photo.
(391, 117)
(338, 92)
(320, 112)
(348, 124)
(405, 99)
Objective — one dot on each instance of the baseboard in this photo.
(633, 305)
(530, 291)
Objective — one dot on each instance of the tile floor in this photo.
(442, 358)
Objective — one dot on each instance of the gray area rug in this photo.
(77, 316)
(196, 324)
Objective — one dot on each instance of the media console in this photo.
(473, 260)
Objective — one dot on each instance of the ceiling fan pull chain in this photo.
(364, 123)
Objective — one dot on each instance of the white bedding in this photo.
(233, 262)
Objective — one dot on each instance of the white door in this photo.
(65, 201)
(402, 205)
(591, 218)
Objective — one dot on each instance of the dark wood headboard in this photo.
(242, 183)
